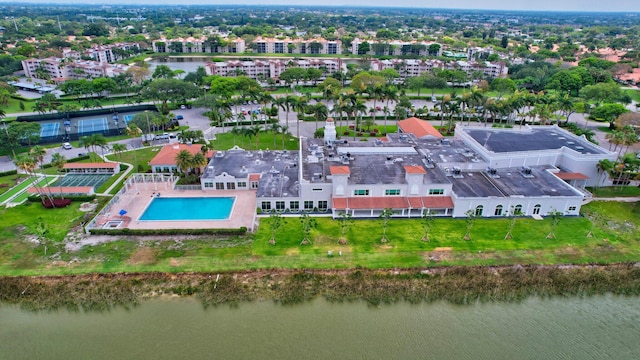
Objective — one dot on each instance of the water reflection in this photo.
(603, 327)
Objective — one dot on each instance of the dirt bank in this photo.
(459, 285)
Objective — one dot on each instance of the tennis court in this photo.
(92, 125)
(94, 180)
(127, 118)
(49, 129)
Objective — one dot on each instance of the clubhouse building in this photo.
(493, 172)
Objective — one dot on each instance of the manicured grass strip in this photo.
(43, 182)
(614, 240)
(16, 189)
(615, 191)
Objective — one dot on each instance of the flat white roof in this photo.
(377, 150)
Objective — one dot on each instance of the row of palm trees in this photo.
(348, 104)
(31, 162)
(622, 138)
(254, 132)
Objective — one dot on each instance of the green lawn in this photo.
(225, 141)
(22, 197)
(143, 156)
(615, 191)
(615, 240)
(635, 94)
(16, 189)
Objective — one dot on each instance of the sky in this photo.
(544, 5)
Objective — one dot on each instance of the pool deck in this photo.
(135, 201)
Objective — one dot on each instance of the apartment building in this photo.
(60, 70)
(271, 68)
(299, 46)
(197, 45)
(415, 67)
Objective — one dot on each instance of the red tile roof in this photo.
(339, 203)
(415, 202)
(437, 202)
(339, 170)
(372, 202)
(414, 169)
(393, 202)
(419, 128)
(572, 176)
(105, 165)
(254, 177)
(167, 155)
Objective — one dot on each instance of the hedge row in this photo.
(80, 198)
(7, 173)
(147, 232)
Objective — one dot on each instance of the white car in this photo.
(67, 146)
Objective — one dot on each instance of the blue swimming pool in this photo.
(191, 208)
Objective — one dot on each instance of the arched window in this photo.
(498, 211)
(517, 210)
(479, 209)
(536, 209)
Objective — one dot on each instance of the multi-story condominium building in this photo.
(394, 47)
(102, 53)
(415, 67)
(271, 68)
(492, 172)
(197, 45)
(60, 70)
(289, 46)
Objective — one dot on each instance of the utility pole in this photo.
(59, 26)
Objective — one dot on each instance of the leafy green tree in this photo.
(308, 223)
(275, 223)
(385, 217)
(470, 219)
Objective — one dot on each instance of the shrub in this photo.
(148, 232)
(7, 173)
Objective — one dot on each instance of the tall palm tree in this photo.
(275, 129)
(58, 160)
(183, 161)
(38, 152)
(320, 113)
(134, 131)
(300, 106)
(28, 164)
(198, 161)
(285, 130)
(255, 130)
(604, 167)
(118, 149)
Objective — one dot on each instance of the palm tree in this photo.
(118, 149)
(58, 160)
(235, 131)
(604, 167)
(285, 130)
(358, 109)
(134, 131)
(184, 159)
(320, 113)
(28, 164)
(38, 152)
(300, 106)
(275, 128)
(198, 161)
(255, 131)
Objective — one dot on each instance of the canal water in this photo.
(603, 327)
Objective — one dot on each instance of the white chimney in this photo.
(329, 132)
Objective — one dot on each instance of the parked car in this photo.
(67, 146)
(179, 117)
(182, 107)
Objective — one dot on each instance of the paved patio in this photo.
(136, 200)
